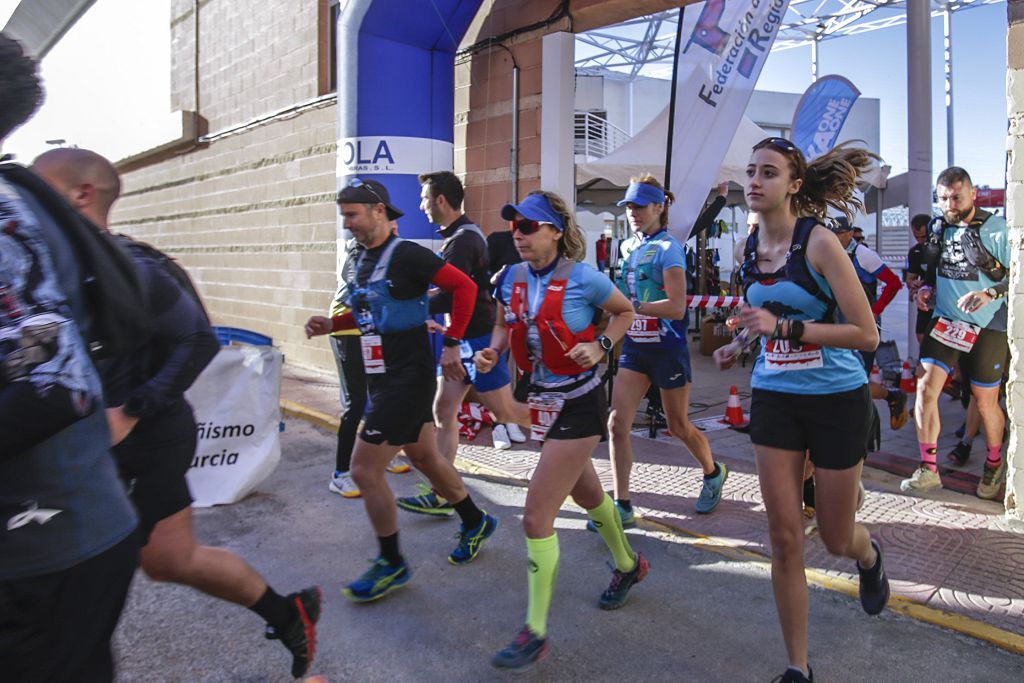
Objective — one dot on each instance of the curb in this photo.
(1001, 638)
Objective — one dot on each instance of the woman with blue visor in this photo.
(653, 278)
(546, 311)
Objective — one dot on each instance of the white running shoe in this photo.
(923, 479)
(342, 484)
(515, 434)
(397, 466)
(499, 435)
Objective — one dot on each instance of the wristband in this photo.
(451, 342)
(796, 330)
(777, 332)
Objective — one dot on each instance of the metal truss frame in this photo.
(646, 45)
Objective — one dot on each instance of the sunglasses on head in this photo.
(358, 182)
(525, 226)
(778, 143)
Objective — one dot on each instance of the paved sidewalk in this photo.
(952, 558)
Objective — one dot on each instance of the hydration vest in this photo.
(556, 339)
(796, 268)
(375, 310)
(636, 279)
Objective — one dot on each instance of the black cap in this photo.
(359, 191)
(841, 224)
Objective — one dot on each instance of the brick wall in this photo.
(254, 57)
(1015, 218)
(251, 215)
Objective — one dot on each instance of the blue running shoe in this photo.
(427, 503)
(522, 653)
(711, 492)
(628, 518)
(379, 580)
(471, 540)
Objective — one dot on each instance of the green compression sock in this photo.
(609, 525)
(542, 554)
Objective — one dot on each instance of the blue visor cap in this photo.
(642, 194)
(536, 208)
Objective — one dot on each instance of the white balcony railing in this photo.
(595, 137)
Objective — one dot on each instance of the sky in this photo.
(108, 84)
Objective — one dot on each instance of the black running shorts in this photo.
(986, 361)
(923, 324)
(583, 416)
(398, 408)
(833, 427)
(153, 460)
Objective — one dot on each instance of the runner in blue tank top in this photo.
(653, 278)
(546, 312)
(809, 388)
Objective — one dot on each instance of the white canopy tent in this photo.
(645, 153)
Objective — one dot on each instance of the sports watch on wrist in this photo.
(605, 343)
(450, 342)
(992, 292)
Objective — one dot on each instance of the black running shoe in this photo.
(300, 636)
(874, 584)
(794, 676)
(960, 454)
(617, 592)
(522, 653)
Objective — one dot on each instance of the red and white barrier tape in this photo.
(706, 301)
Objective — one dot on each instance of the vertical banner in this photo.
(725, 48)
(821, 113)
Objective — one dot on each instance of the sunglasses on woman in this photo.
(525, 226)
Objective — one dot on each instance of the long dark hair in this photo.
(828, 180)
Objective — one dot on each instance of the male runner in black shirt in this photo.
(388, 302)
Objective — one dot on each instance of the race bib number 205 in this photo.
(782, 354)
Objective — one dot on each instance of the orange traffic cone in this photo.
(908, 382)
(876, 375)
(733, 409)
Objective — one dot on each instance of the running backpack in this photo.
(795, 270)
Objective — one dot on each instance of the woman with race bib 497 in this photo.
(653, 277)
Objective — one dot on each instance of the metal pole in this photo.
(947, 58)
(814, 60)
(514, 155)
(919, 124)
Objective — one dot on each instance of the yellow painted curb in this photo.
(315, 417)
(1001, 638)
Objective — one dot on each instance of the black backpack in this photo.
(168, 264)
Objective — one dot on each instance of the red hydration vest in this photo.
(556, 339)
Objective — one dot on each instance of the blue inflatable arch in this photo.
(396, 95)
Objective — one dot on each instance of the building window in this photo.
(327, 18)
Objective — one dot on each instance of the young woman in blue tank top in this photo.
(653, 278)
(809, 388)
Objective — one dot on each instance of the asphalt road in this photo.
(699, 616)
